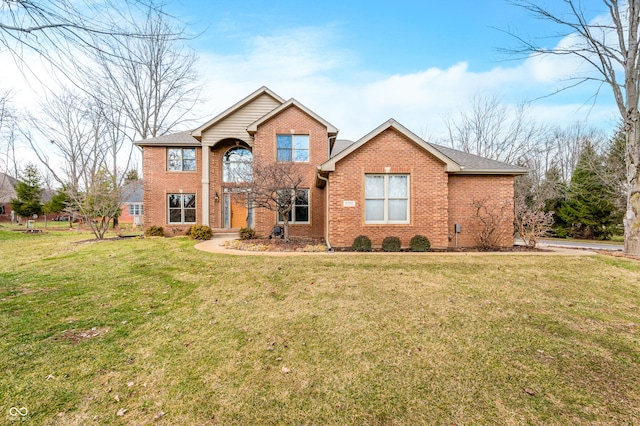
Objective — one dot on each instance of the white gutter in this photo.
(326, 214)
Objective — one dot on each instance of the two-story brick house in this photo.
(388, 183)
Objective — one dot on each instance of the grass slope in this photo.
(160, 333)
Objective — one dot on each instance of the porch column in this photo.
(205, 185)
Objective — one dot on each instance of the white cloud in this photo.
(306, 63)
(289, 64)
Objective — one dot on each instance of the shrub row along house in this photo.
(389, 182)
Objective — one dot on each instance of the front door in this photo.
(235, 211)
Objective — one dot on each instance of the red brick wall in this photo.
(428, 192)
(464, 190)
(158, 182)
(294, 121)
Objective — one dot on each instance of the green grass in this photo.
(154, 326)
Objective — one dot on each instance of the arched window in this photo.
(236, 165)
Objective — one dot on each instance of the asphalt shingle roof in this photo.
(178, 139)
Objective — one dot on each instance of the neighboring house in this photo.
(133, 203)
(388, 183)
(7, 192)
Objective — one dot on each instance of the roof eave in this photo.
(492, 172)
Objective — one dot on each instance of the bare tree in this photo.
(531, 220)
(491, 129)
(8, 122)
(489, 217)
(79, 134)
(275, 187)
(612, 48)
(60, 30)
(150, 81)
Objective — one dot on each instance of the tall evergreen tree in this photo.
(589, 207)
(28, 201)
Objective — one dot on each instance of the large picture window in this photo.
(181, 159)
(386, 198)
(300, 211)
(236, 165)
(293, 148)
(182, 208)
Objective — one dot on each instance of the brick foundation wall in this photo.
(464, 190)
(428, 202)
(158, 182)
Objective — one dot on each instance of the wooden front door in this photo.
(238, 215)
(235, 211)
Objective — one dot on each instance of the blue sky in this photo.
(359, 63)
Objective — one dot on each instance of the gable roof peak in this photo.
(450, 165)
(253, 127)
(197, 133)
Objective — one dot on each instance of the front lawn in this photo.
(155, 332)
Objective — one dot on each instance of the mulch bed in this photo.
(298, 244)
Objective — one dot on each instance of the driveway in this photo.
(580, 245)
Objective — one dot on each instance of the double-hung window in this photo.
(300, 211)
(136, 209)
(386, 198)
(181, 159)
(293, 148)
(182, 208)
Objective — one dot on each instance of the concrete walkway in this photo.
(214, 245)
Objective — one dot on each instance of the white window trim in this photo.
(136, 209)
(293, 213)
(293, 148)
(386, 220)
(182, 208)
(182, 169)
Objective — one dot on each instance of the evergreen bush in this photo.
(200, 232)
(391, 244)
(361, 243)
(154, 231)
(247, 234)
(420, 243)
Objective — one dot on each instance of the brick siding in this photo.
(428, 201)
(464, 190)
(158, 183)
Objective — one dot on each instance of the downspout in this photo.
(326, 213)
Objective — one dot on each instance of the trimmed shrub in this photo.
(200, 232)
(420, 243)
(154, 231)
(361, 243)
(247, 234)
(391, 244)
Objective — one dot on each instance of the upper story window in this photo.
(181, 159)
(236, 165)
(293, 148)
(386, 198)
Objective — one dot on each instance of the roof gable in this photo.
(197, 133)
(253, 127)
(450, 165)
